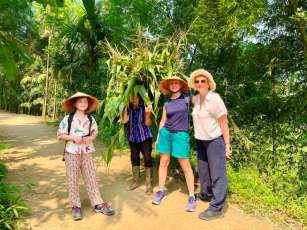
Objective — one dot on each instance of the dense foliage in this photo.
(256, 50)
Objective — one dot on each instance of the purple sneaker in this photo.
(159, 197)
(191, 206)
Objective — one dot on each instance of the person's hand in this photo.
(77, 139)
(87, 140)
(148, 109)
(228, 152)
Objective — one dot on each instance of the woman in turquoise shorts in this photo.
(173, 139)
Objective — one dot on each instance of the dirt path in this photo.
(35, 164)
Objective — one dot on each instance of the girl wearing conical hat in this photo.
(79, 130)
(173, 139)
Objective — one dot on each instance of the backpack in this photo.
(69, 121)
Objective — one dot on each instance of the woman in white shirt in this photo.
(212, 142)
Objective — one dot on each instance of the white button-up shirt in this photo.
(205, 116)
(78, 128)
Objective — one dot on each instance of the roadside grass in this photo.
(249, 192)
(52, 122)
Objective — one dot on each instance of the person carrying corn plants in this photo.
(173, 138)
(138, 120)
(138, 71)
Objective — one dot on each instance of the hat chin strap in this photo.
(176, 91)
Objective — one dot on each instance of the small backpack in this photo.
(69, 121)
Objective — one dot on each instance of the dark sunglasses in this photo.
(198, 81)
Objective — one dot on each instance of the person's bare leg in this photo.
(164, 162)
(188, 173)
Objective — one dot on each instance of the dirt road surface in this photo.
(34, 162)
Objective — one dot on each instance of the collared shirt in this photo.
(78, 128)
(137, 130)
(205, 116)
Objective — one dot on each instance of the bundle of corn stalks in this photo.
(138, 71)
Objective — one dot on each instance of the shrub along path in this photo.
(34, 162)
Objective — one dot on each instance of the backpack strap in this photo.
(69, 121)
(187, 99)
(90, 118)
(167, 101)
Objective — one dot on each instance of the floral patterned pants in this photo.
(76, 163)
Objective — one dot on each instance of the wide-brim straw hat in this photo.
(164, 84)
(68, 104)
(202, 73)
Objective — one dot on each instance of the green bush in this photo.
(12, 207)
(268, 172)
(3, 171)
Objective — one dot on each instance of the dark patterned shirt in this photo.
(137, 130)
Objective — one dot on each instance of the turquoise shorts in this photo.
(176, 144)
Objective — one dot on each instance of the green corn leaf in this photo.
(7, 225)
(136, 89)
(16, 212)
(127, 93)
(122, 136)
(144, 95)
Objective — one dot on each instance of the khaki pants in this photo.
(76, 163)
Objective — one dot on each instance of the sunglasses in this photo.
(200, 81)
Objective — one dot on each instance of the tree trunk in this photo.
(54, 100)
(44, 110)
(46, 81)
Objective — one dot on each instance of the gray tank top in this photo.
(177, 114)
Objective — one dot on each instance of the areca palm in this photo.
(79, 32)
